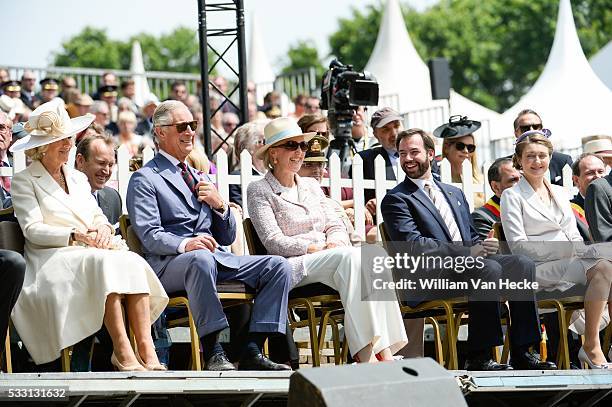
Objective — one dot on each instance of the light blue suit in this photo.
(163, 212)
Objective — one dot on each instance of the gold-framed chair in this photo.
(230, 293)
(320, 303)
(447, 311)
(564, 307)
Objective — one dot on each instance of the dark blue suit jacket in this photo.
(163, 212)
(410, 216)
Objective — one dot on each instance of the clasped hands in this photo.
(97, 236)
(487, 247)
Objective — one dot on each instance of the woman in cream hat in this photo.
(293, 220)
(77, 272)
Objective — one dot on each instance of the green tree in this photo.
(90, 48)
(177, 51)
(303, 54)
(496, 48)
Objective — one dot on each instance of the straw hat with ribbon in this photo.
(279, 130)
(49, 123)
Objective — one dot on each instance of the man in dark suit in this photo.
(386, 123)
(28, 95)
(529, 120)
(586, 169)
(96, 158)
(598, 209)
(501, 175)
(12, 272)
(183, 224)
(435, 216)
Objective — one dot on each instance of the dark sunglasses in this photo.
(294, 145)
(462, 146)
(181, 127)
(527, 127)
(323, 133)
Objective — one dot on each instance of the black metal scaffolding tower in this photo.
(211, 38)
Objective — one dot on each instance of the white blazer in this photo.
(65, 287)
(525, 219)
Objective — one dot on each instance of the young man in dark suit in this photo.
(529, 120)
(435, 216)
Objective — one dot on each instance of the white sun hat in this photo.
(49, 123)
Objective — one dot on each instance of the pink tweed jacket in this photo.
(286, 227)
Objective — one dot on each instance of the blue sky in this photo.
(32, 29)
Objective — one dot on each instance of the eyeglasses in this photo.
(462, 146)
(181, 127)
(543, 132)
(294, 145)
(527, 127)
(323, 133)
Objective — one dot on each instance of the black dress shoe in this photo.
(260, 362)
(530, 361)
(485, 364)
(219, 362)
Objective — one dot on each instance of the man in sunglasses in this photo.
(183, 222)
(529, 120)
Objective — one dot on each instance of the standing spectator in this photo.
(135, 143)
(68, 83)
(4, 76)
(128, 90)
(83, 104)
(299, 102)
(528, 120)
(49, 89)
(459, 144)
(145, 125)
(107, 78)
(102, 112)
(586, 169)
(230, 121)
(598, 208)
(28, 93)
(312, 105)
(502, 175)
(108, 94)
(178, 91)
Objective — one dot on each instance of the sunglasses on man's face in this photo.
(527, 127)
(462, 146)
(294, 145)
(181, 127)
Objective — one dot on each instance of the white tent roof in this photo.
(572, 101)
(396, 64)
(259, 69)
(403, 77)
(602, 64)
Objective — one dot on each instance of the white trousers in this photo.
(378, 323)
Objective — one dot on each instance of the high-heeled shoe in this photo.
(150, 366)
(136, 367)
(584, 358)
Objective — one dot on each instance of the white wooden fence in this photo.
(380, 184)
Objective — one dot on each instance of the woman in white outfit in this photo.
(77, 272)
(535, 211)
(293, 220)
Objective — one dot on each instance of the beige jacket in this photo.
(287, 227)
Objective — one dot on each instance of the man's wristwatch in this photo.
(222, 208)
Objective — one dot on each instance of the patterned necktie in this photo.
(6, 181)
(186, 174)
(445, 211)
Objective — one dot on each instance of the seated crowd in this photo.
(76, 275)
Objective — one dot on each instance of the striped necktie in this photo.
(186, 174)
(445, 211)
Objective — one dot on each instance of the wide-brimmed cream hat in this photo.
(49, 123)
(280, 129)
(602, 147)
